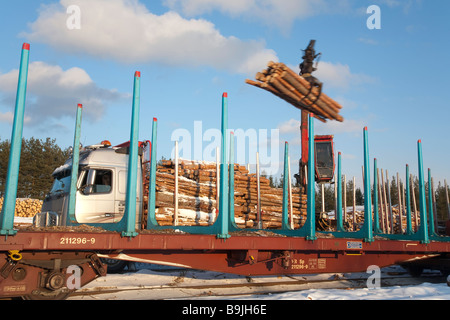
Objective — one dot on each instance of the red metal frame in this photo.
(176, 247)
(245, 255)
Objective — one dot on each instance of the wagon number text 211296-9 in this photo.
(75, 240)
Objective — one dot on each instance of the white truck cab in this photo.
(101, 188)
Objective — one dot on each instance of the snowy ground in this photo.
(150, 283)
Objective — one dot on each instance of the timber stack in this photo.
(281, 81)
(25, 208)
(197, 194)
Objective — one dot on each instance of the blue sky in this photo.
(392, 80)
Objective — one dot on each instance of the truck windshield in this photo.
(61, 184)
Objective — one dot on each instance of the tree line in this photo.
(38, 159)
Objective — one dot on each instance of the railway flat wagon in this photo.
(102, 208)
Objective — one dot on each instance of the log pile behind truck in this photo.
(197, 196)
(25, 208)
(281, 81)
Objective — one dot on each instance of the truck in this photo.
(101, 187)
(101, 190)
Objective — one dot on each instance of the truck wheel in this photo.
(114, 266)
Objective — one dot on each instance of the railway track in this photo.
(198, 285)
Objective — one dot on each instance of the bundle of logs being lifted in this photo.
(197, 197)
(294, 89)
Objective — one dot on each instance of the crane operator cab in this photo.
(324, 158)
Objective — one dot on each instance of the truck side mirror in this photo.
(86, 189)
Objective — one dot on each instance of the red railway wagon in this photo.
(40, 264)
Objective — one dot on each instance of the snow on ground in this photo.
(153, 282)
(425, 291)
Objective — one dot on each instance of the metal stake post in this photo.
(339, 224)
(391, 214)
(217, 182)
(258, 190)
(430, 204)
(400, 208)
(408, 203)
(311, 202)
(75, 164)
(423, 229)
(380, 194)
(354, 203)
(151, 216)
(175, 211)
(130, 202)
(223, 206)
(367, 227)
(12, 177)
(285, 211)
(291, 207)
(446, 198)
(345, 199)
(376, 217)
(232, 219)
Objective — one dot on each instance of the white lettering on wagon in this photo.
(76, 241)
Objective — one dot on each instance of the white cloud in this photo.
(280, 13)
(125, 30)
(340, 76)
(354, 126)
(290, 126)
(337, 75)
(53, 93)
(9, 117)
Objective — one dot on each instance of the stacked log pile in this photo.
(281, 81)
(26, 207)
(197, 196)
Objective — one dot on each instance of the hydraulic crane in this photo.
(324, 146)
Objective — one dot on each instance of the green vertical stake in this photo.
(408, 204)
(285, 211)
(75, 164)
(231, 216)
(423, 229)
(223, 196)
(339, 222)
(151, 216)
(12, 177)
(367, 227)
(430, 206)
(311, 192)
(376, 216)
(130, 203)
